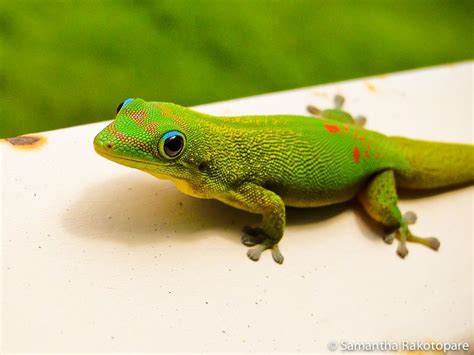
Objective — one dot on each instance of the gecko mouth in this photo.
(133, 163)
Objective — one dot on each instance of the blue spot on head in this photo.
(126, 102)
(123, 104)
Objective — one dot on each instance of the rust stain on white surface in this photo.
(26, 142)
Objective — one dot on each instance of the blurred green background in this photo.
(64, 63)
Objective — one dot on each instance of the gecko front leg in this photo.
(256, 199)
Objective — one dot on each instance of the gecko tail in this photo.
(435, 165)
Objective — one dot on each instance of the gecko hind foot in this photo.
(402, 251)
(403, 234)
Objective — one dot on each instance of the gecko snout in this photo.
(102, 144)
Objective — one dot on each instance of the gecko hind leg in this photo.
(380, 201)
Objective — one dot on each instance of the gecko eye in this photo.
(123, 104)
(172, 144)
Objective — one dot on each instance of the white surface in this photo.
(99, 257)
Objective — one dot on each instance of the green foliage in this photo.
(64, 63)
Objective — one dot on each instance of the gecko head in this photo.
(149, 136)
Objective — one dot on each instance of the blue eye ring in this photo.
(172, 144)
(123, 104)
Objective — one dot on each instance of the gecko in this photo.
(264, 163)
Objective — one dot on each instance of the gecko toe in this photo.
(248, 240)
(433, 243)
(360, 121)
(409, 217)
(389, 238)
(251, 236)
(339, 101)
(313, 110)
(254, 253)
(402, 250)
(276, 254)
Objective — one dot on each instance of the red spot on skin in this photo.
(331, 128)
(367, 151)
(356, 155)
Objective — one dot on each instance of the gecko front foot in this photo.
(252, 236)
(255, 237)
(255, 252)
(403, 234)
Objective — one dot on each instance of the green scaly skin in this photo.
(263, 163)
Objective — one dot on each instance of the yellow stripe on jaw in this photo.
(182, 185)
(133, 163)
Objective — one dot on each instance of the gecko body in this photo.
(263, 163)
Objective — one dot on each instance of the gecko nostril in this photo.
(109, 145)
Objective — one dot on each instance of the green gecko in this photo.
(263, 163)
